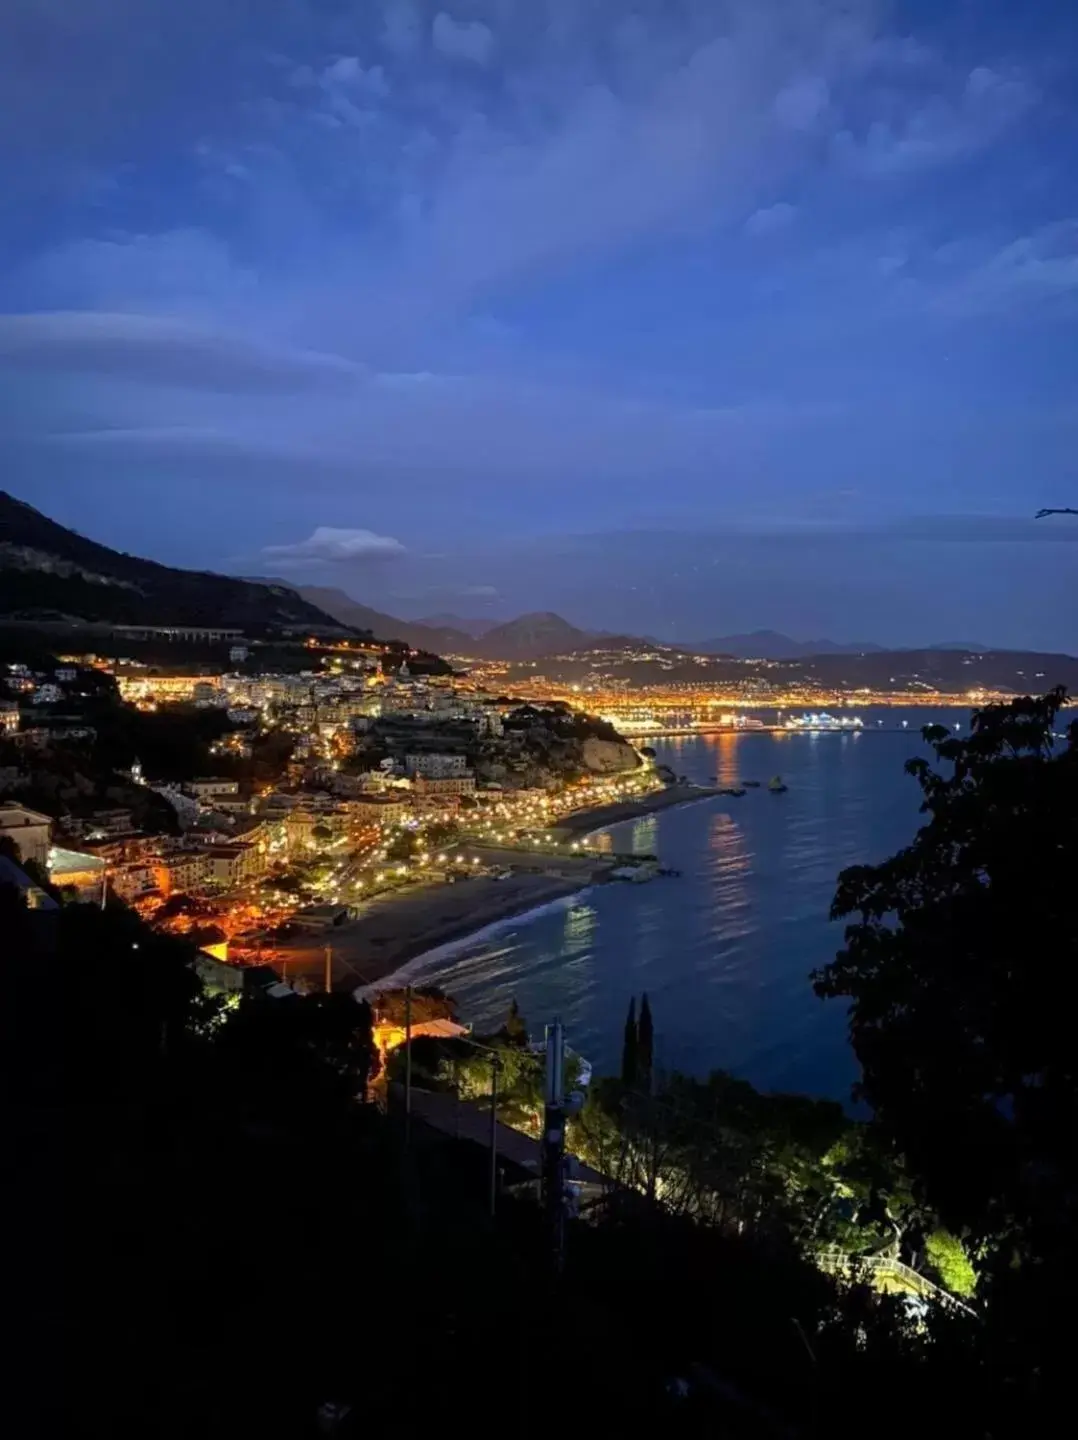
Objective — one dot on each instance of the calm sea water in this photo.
(725, 950)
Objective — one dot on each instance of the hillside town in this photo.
(266, 811)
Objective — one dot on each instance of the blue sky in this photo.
(680, 316)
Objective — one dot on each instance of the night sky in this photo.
(680, 317)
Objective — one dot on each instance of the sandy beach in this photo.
(586, 822)
(397, 928)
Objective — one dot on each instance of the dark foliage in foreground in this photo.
(962, 969)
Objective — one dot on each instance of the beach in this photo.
(395, 929)
(586, 822)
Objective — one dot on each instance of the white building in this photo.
(183, 870)
(210, 788)
(438, 766)
(234, 864)
(185, 807)
(30, 831)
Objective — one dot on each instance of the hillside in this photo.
(474, 627)
(529, 637)
(347, 611)
(51, 573)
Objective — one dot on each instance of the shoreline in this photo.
(403, 930)
(414, 967)
(401, 934)
(579, 823)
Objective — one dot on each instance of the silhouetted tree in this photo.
(962, 968)
(629, 1048)
(645, 1044)
(514, 1030)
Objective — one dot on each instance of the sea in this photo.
(726, 948)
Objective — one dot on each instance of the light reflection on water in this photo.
(725, 950)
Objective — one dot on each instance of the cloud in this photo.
(185, 267)
(1035, 274)
(327, 545)
(920, 131)
(800, 105)
(462, 39)
(402, 27)
(353, 93)
(770, 219)
(158, 350)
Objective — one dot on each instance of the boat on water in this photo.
(733, 790)
(815, 720)
(776, 785)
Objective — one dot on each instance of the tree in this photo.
(403, 846)
(629, 1048)
(514, 1030)
(962, 969)
(645, 1044)
(945, 1253)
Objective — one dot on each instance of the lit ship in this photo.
(823, 721)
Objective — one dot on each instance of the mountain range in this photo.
(771, 645)
(475, 627)
(533, 636)
(49, 573)
(528, 637)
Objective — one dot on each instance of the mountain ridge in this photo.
(50, 573)
(340, 606)
(773, 645)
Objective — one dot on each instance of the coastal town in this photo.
(340, 819)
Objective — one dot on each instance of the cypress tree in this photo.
(645, 1044)
(629, 1048)
(514, 1029)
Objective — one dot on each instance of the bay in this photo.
(725, 950)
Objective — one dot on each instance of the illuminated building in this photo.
(30, 832)
(182, 871)
(445, 785)
(436, 766)
(71, 869)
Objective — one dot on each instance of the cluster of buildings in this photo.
(369, 751)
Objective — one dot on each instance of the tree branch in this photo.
(1066, 511)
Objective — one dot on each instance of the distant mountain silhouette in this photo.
(772, 645)
(476, 628)
(50, 573)
(350, 612)
(530, 637)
